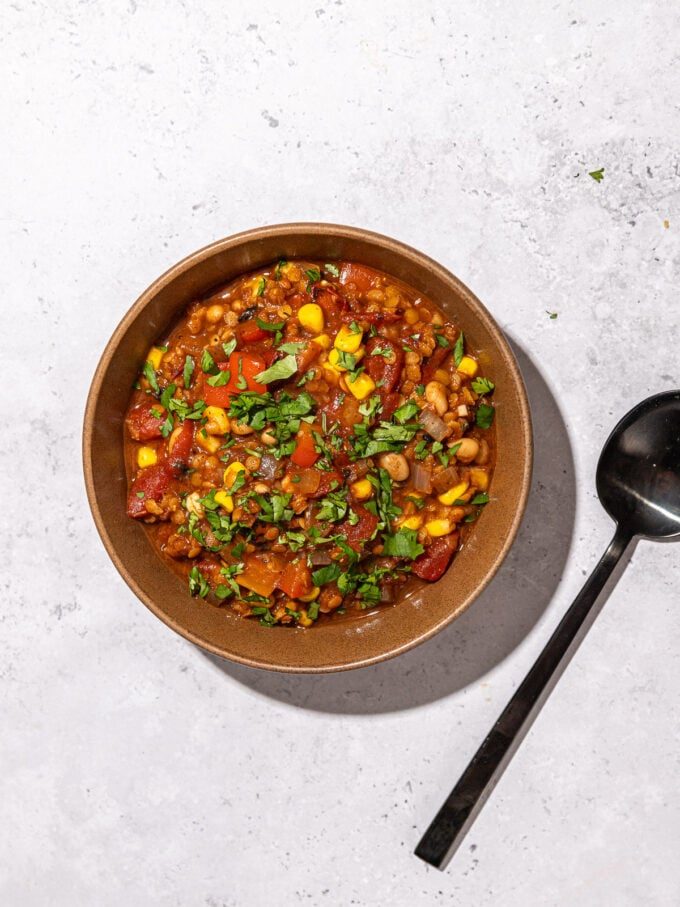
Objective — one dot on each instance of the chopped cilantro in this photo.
(482, 386)
(282, 369)
(459, 349)
(208, 364)
(291, 347)
(229, 346)
(188, 370)
(405, 412)
(332, 269)
(313, 274)
(198, 585)
(597, 175)
(260, 287)
(220, 379)
(403, 543)
(325, 575)
(485, 414)
(272, 326)
(443, 341)
(150, 375)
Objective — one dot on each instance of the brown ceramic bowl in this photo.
(332, 646)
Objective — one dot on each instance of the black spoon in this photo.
(638, 482)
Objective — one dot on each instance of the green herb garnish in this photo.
(150, 374)
(482, 386)
(459, 349)
(188, 370)
(485, 414)
(281, 370)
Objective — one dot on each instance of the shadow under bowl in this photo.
(330, 646)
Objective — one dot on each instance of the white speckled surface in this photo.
(135, 770)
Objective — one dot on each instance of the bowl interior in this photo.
(331, 646)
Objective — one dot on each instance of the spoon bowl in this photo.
(638, 474)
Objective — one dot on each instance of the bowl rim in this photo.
(282, 230)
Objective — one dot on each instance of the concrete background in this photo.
(136, 770)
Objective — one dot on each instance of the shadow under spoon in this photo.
(638, 483)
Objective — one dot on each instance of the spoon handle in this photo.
(449, 826)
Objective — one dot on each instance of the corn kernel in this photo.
(208, 442)
(335, 355)
(155, 356)
(436, 528)
(311, 596)
(218, 421)
(411, 316)
(322, 340)
(412, 522)
(310, 317)
(347, 340)
(230, 473)
(304, 620)
(453, 494)
(468, 366)
(479, 478)
(362, 386)
(146, 456)
(225, 500)
(362, 490)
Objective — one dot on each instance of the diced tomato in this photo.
(391, 402)
(381, 317)
(385, 373)
(432, 563)
(358, 534)
(361, 277)
(149, 484)
(261, 573)
(434, 362)
(305, 453)
(178, 457)
(332, 302)
(250, 366)
(329, 479)
(306, 356)
(296, 580)
(250, 332)
(142, 424)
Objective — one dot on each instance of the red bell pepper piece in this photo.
(305, 453)
(242, 368)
